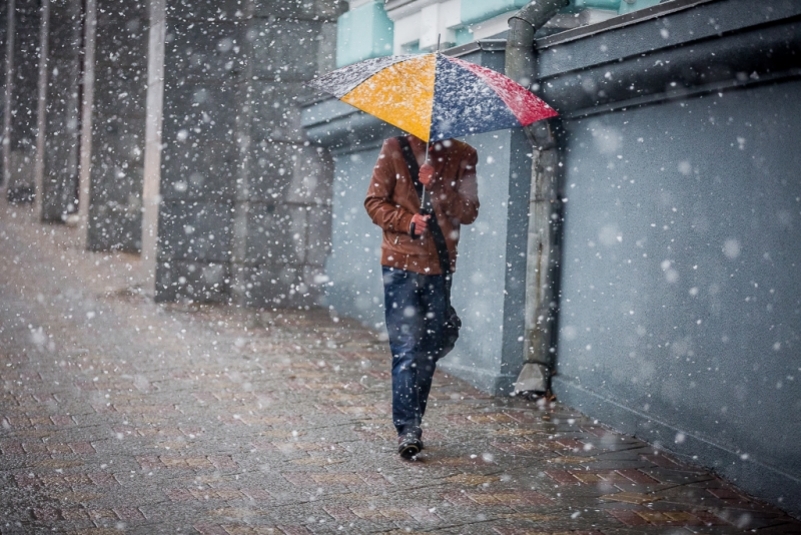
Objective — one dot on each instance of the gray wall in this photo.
(354, 282)
(681, 313)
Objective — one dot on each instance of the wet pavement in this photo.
(122, 415)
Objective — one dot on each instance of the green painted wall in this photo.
(367, 32)
(474, 11)
(626, 6)
(363, 33)
(578, 5)
(463, 36)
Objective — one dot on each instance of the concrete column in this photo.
(62, 121)
(118, 125)
(205, 86)
(244, 211)
(23, 101)
(284, 202)
(38, 165)
(4, 16)
(151, 191)
(87, 97)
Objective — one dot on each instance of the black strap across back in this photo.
(433, 224)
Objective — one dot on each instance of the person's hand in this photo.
(426, 174)
(420, 223)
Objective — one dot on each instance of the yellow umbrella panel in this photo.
(401, 94)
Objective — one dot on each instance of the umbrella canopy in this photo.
(433, 96)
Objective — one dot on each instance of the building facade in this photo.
(678, 306)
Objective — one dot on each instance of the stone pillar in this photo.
(244, 211)
(87, 98)
(151, 190)
(118, 125)
(62, 121)
(23, 101)
(284, 203)
(205, 85)
(4, 15)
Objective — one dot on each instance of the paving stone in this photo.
(218, 420)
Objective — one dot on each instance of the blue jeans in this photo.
(415, 309)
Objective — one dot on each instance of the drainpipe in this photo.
(544, 210)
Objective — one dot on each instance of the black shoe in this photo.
(419, 433)
(409, 445)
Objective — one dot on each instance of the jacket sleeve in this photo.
(379, 203)
(464, 207)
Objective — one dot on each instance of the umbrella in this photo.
(433, 96)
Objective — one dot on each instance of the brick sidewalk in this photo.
(120, 415)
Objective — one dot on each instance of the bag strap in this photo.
(433, 224)
(411, 163)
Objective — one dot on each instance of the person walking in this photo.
(418, 256)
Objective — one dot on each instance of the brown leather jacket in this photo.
(392, 201)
